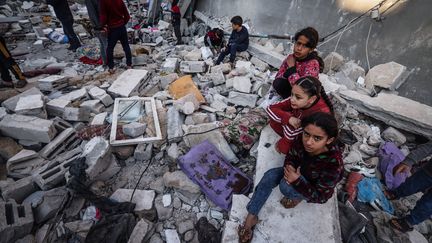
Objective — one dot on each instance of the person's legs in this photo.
(422, 209)
(103, 40)
(113, 37)
(5, 75)
(177, 33)
(125, 43)
(7, 62)
(270, 180)
(222, 55)
(236, 48)
(419, 181)
(282, 87)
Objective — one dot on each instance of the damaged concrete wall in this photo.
(404, 36)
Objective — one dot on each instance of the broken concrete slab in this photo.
(209, 131)
(11, 103)
(167, 79)
(389, 75)
(23, 164)
(17, 221)
(242, 84)
(171, 236)
(194, 55)
(187, 104)
(101, 95)
(94, 106)
(174, 126)
(19, 190)
(193, 66)
(45, 204)
(260, 65)
(32, 105)
(134, 129)
(142, 232)
(273, 58)
(99, 119)
(333, 59)
(393, 135)
(53, 82)
(28, 128)
(129, 83)
(76, 95)
(242, 99)
(97, 152)
(352, 70)
(170, 65)
(112, 169)
(76, 114)
(22, 155)
(142, 198)
(65, 141)
(394, 110)
(180, 180)
(9, 148)
(143, 152)
(56, 107)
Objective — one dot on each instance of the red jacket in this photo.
(282, 111)
(113, 13)
(309, 67)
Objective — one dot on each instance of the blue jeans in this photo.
(270, 180)
(418, 182)
(115, 35)
(103, 40)
(232, 50)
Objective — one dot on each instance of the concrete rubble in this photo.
(59, 124)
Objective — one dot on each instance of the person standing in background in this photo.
(93, 12)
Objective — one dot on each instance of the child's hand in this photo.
(295, 122)
(291, 61)
(291, 174)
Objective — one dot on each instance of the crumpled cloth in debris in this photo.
(90, 132)
(89, 61)
(351, 222)
(245, 130)
(390, 156)
(385, 233)
(207, 233)
(91, 52)
(205, 165)
(370, 191)
(113, 228)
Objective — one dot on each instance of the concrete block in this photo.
(187, 104)
(167, 79)
(11, 103)
(170, 65)
(194, 55)
(260, 65)
(3, 113)
(215, 137)
(8, 148)
(142, 198)
(143, 152)
(242, 99)
(271, 57)
(76, 114)
(24, 166)
(19, 190)
(99, 119)
(171, 236)
(129, 83)
(389, 75)
(16, 221)
(224, 68)
(65, 141)
(142, 232)
(28, 128)
(175, 122)
(242, 84)
(217, 77)
(100, 94)
(335, 60)
(60, 124)
(394, 110)
(94, 106)
(56, 107)
(53, 82)
(77, 95)
(180, 180)
(31, 105)
(45, 204)
(112, 169)
(353, 70)
(193, 66)
(97, 152)
(134, 129)
(393, 135)
(53, 173)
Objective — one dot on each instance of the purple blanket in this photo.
(390, 156)
(218, 179)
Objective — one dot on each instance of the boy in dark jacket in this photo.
(419, 181)
(238, 41)
(114, 16)
(64, 14)
(93, 12)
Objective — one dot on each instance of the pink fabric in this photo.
(305, 68)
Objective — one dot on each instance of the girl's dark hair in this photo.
(313, 87)
(312, 35)
(325, 121)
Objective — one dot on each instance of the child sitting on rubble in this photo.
(214, 39)
(238, 41)
(303, 62)
(308, 97)
(311, 171)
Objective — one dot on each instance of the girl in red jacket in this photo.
(303, 62)
(308, 97)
